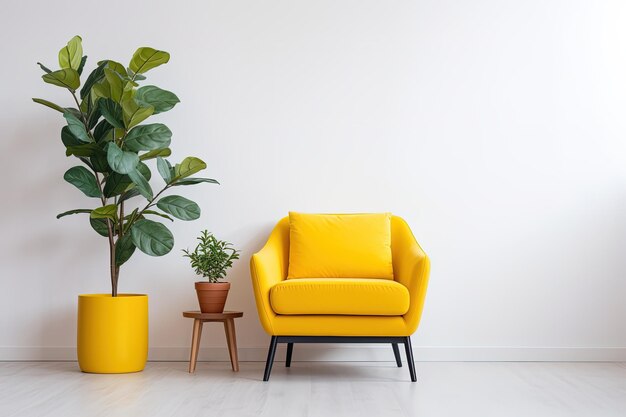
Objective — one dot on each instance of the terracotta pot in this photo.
(212, 296)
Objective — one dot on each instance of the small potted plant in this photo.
(211, 259)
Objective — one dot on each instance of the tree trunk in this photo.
(114, 273)
(113, 269)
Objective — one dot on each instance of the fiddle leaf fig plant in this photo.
(106, 131)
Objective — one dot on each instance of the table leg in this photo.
(195, 344)
(231, 338)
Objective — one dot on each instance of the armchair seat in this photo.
(340, 296)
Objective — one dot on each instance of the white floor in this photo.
(324, 389)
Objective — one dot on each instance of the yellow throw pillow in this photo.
(340, 246)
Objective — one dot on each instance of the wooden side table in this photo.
(228, 318)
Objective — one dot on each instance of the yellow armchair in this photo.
(382, 311)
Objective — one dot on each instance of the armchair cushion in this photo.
(340, 296)
(340, 246)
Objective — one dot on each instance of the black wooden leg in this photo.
(396, 353)
(409, 358)
(270, 358)
(289, 353)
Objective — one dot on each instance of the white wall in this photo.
(496, 128)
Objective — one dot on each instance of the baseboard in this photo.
(348, 353)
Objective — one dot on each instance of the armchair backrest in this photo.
(403, 244)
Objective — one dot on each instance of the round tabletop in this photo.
(212, 316)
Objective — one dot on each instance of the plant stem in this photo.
(81, 112)
(114, 270)
(110, 229)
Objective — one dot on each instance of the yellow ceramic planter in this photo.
(112, 333)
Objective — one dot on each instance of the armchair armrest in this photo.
(268, 267)
(411, 268)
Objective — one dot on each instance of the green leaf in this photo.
(144, 170)
(156, 213)
(133, 192)
(121, 161)
(68, 138)
(136, 77)
(76, 211)
(83, 61)
(152, 238)
(172, 170)
(129, 92)
(164, 169)
(106, 212)
(124, 249)
(99, 160)
(155, 153)
(112, 112)
(76, 127)
(161, 100)
(192, 181)
(112, 87)
(116, 184)
(148, 137)
(84, 180)
(116, 85)
(44, 68)
(71, 54)
(189, 166)
(86, 106)
(130, 218)
(67, 78)
(141, 183)
(117, 67)
(85, 150)
(95, 77)
(133, 114)
(179, 207)
(102, 131)
(49, 104)
(100, 226)
(100, 90)
(144, 59)
(77, 113)
(94, 115)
